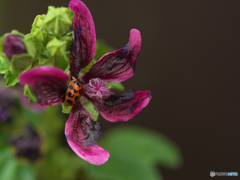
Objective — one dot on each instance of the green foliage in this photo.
(12, 169)
(11, 78)
(20, 62)
(57, 20)
(66, 109)
(4, 67)
(102, 48)
(29, 93)
(134, 154)
(91, 109)
(116, 85)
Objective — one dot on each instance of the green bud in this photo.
(29, 93)
(58, 20)
(56, 48)
(20, 62)
(30, 45)
(39, 21)
(39, 34)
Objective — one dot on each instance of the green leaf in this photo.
(135, 152)
(30, 45)
(91, 109)
(20, 62)
(58, 20)
(102, 48)
(89, 66)
(11, 78)
(116, 85)
(66, 109)
(4, 67)
(56, 48)
(26, 172)
(5, 59)
(8, 169)
(29, 93)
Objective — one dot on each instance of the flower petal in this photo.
(82, 134)
(84, 46)
(49, 84)
(122, 107)
(119, 65)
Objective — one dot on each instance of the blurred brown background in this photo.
(190, 62)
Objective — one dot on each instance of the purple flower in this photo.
(49, 84)
(27, 144)
(13, 44)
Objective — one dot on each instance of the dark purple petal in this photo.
(82, 134)
(119, 65)
(27, 144)
(122, 107)
(49, 84)
(84, 46)
(12, 45)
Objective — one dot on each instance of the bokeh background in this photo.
(190, 62)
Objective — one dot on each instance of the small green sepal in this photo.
(89, 66)
(66, 109)
(29, 93)
(91, 109)
(116, 85)
(11, 78)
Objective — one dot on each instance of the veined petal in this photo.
(82, 134)
(119, 65)
(84, 46)
(122, 107)
(49, 84)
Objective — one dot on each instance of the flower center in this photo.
(96, 88)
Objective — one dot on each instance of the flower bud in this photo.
(13, 44)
